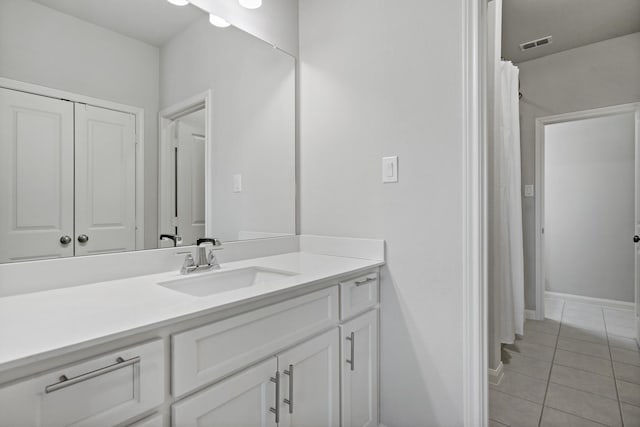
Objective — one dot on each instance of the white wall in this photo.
(381, 78)
(42, 46)
(587, 77)
(276, 21)
(589, 207)
(253, 123)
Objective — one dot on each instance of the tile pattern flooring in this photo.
(578, 367)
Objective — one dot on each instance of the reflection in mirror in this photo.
(83, 167)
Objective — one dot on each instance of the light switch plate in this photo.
(237, 183)
(390, 169)
(528, 191)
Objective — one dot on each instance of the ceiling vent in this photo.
(536, 43)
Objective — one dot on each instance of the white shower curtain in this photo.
(507, 208)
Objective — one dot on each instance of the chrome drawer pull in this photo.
(363, 281)
(68, 382)
(352, 339)
(276, 410)
(289, 401)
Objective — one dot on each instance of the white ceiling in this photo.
(151, 21)
(571, 23)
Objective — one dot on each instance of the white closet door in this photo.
(105, 180)
(315, 397)
(36, 176)
(190, 184)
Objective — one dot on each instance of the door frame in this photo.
(474, 244)
(138, 112)
(166, 116)
(541, 122)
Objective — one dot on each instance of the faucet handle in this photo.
(214, 242)
(188, 264)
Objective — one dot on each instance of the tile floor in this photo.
(578, 367)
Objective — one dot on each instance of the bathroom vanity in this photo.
(288, 339)
(124, 142)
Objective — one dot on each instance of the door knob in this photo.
(636, 238)
(65, 240)
(83, 238)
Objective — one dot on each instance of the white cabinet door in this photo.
(242, 400)
(359, 356)
(36, 176)
(190, 178)
(105, 180)
(311, 383)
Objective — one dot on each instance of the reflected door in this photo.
(36, 177)
(190, 183)
(105, 180)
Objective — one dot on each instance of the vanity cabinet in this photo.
(102, 391)
(299, 387)
(359, 364)
(307, 360)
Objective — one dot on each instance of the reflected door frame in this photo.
(166, 121)
(101, 103)
(541, 122)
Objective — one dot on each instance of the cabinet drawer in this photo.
(358, 295)
(102, 391)
(205, 354)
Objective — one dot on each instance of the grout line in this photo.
(580, 369)
(546, 391)
(583, 391)
(584, 354)
(574, 415)
(526, 375)
(615, 382)
(517, 397)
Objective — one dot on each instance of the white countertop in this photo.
(39, 325)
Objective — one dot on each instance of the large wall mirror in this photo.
(123, 121)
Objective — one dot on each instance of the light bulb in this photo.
(250, 4)
(179, 2)
(215, 20)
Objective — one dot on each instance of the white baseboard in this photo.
(495, 375)
(609, 303)
(530, 314)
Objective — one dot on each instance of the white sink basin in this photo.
(204, 284)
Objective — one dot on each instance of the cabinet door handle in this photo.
(352, 339)
(363, 281)
(276, 410)
(68, 382)
(289, 401)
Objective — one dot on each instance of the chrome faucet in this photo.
(206, 260)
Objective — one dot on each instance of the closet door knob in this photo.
(65, 240)
(83, 238)
(636, 239)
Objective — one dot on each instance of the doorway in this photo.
(184, 171)
(587, 207)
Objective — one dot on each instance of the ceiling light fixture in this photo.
(179, 2)
(217, 21)
(250, 4)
